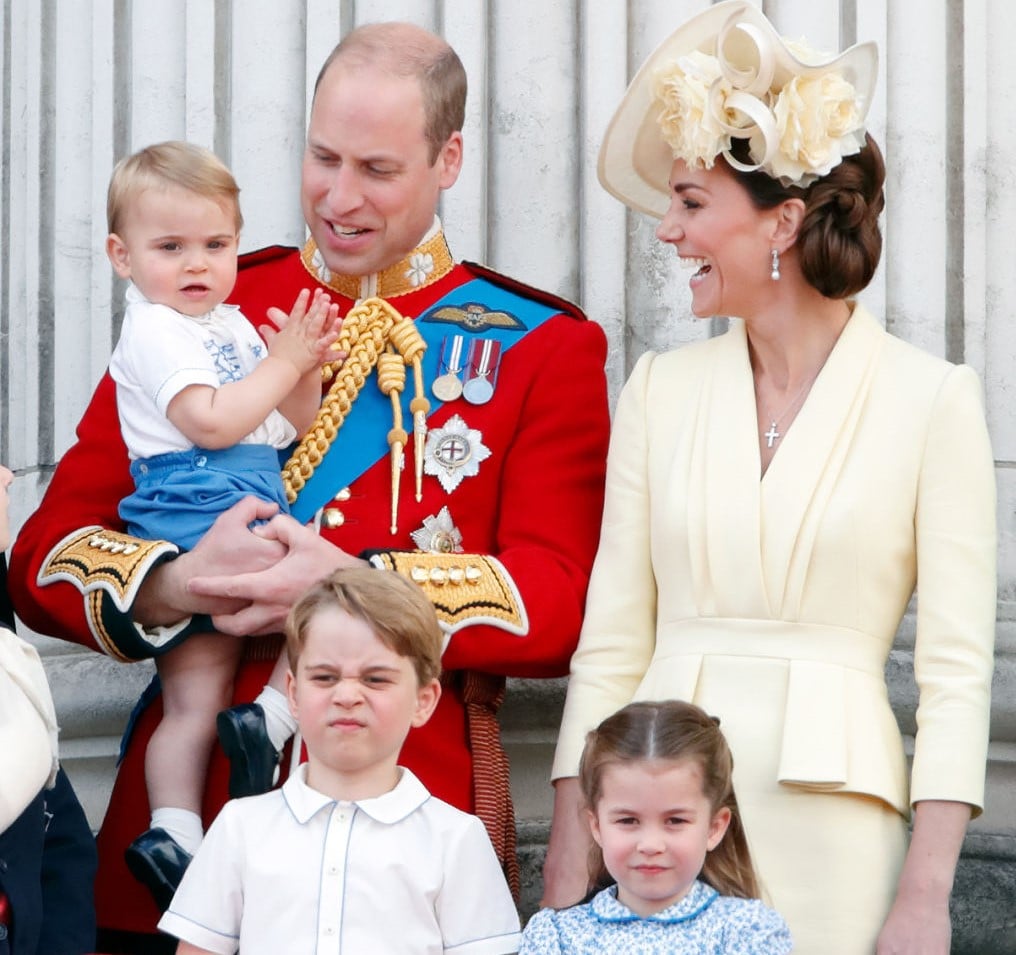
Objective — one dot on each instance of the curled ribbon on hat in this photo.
(799, 117)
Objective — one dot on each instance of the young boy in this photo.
(205, 407)
(352, 854)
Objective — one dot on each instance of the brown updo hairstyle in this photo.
(672, 730)
(840, 242)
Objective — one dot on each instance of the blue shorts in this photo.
(178, 495)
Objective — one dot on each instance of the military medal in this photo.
(484, 354)
(447, 387)
(454, 452)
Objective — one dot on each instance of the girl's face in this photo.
(6, 477)
(655, 826)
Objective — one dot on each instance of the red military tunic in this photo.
(535, 505)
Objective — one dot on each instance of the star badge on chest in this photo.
(454, 452)
(439, 535)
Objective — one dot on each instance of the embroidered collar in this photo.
(606, 907)
(388, 808)
(430, 261)
(134, 296)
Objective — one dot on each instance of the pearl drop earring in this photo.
(775, 273)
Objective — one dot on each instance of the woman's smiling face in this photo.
(719, 232)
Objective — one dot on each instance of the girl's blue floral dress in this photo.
(702, 923)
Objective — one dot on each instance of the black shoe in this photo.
(158, 862)
(252, 758)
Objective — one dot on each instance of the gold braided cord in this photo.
(366, 331)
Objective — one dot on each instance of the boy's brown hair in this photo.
(394, 608)
(171, 163)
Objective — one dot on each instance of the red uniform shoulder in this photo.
(528, 291)
(261, 256)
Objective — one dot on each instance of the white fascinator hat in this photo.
(725, 76)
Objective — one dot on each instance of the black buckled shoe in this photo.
(252, 758)
(158, 862)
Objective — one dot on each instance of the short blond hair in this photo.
(394, 608)
(171, 163)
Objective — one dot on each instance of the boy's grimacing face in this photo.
(355, 701)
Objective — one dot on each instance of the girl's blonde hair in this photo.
(673, 730)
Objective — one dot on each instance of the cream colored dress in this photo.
(773, 604)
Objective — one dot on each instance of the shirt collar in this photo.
(134, 296)
(388, 808)
(606, 907)
(430, 261)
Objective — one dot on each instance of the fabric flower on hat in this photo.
(796, 132)
(819, 123)
(687, 121)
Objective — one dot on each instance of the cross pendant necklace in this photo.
(773, 434)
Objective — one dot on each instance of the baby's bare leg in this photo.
(197, 682)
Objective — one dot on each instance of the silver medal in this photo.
(484, 355)
(478, 391)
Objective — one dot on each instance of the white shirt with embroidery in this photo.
(162, 351)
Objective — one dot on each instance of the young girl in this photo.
(205, 408)
(660, 803)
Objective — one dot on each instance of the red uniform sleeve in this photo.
(72, 574)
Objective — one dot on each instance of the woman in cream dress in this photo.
(775, 494)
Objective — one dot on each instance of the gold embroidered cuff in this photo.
(465, 589)
(107, 568)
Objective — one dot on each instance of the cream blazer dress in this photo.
(773, 604)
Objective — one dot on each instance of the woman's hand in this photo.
(918, 922)
(566, 867)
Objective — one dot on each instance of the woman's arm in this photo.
(919, 919)
(566, 867)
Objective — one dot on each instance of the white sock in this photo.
(183, 826)
(279, 721)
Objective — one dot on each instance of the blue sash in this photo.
(362, 440)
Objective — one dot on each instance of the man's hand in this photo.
(229, 547)
(267, 595)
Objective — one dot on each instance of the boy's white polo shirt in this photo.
(295, 871)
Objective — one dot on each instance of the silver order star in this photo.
(439, 535)
(421, 264)
(454, 452)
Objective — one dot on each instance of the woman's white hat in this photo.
(724, 75)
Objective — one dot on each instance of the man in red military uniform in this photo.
(493, 506)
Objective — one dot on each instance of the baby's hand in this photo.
(306, 334)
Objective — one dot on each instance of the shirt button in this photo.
(200, 461)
